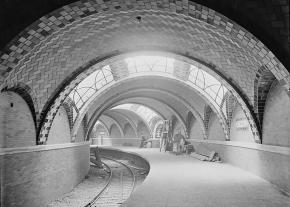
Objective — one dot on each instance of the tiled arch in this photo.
(68, 105)
(30, 98)
(116, 123)
(125, 116)
(127, 94)
(154, 108)
(107, 126)
(263, 82)
(103, 125)
(87, 69)
(53, 42)
(150, 125)
(48, 38)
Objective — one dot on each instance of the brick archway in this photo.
(30, 98)
(53, 49)
(49, 37)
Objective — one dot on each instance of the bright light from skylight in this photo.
(146, 113)
(150, 63)
(146, 65)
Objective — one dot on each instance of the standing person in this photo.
(163, 141)
(164, 136)
(143, 141)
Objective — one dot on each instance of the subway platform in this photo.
(182, 181)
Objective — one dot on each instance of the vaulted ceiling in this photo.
(268, 20)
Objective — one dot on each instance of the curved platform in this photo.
(182, 181)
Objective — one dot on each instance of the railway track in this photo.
(120, 184)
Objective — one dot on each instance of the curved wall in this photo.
(60, 130)
(268, 162)
(35, 176)
(17, 127)
(276, 123)
(195, 130)
(115, 132)
(215, 130)
(240, 129)
(80, 137)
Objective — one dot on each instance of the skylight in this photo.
(197, 78)
(146, 113)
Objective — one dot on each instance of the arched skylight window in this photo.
(146, 113)
(209, 84)
(90, 85)
(197, 78)
(150, 63)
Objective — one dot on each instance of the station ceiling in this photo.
(268, 20)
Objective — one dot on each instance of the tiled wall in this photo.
(276, 124)
(60, 43)
(195, 131)
(271, 164)
(240, 129)
(17, 127)
(36, 176)
(215, 130)
(60, 130)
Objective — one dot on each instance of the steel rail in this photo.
(105, 187)
(96, 198)
(127, 166)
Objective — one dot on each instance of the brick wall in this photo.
(16, 122)
(35, 176)
(268, 162)
(240, 129)
(276, 123)
(215, 130)
(60, 130)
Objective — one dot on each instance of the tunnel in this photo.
(187, 96)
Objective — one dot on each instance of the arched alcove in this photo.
(17, 127)
(60, 129)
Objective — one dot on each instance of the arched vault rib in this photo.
(104, 125)
(221, 27)
(115, 122)
(110, 101)
(139, 103)
(127, 118)
(149, 102)
(230, 36)
(128, 114)
(244, 106)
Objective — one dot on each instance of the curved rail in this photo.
(95, 199)
(106, 185)
(128, 167)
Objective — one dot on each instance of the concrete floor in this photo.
(182, 181)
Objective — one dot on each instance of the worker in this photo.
(143, 142)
